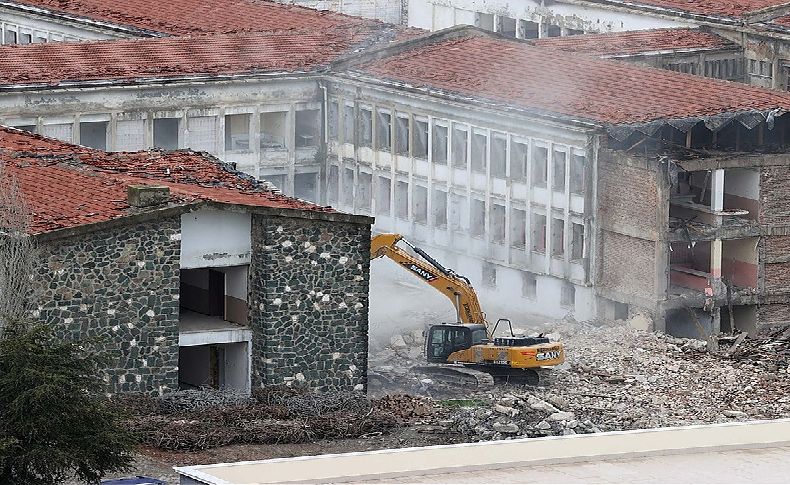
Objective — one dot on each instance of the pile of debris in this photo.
(616, 378)
(203, 419)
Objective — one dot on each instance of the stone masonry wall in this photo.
(309, 302)
(119, 286)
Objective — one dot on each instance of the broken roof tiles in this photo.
(712, 8)
(179, 17)
(216, 55)
(66, 185)
(551, 82)
(637, 42)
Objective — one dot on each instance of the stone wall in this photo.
(309, 302)
(119, 286)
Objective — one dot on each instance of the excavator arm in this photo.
(452, 285)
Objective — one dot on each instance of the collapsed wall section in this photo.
(309, 302)
(119, 286)
(632, 210)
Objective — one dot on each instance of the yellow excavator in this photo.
(468, 342)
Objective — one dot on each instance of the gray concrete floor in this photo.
(767, 465)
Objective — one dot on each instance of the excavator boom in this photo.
(452, 285)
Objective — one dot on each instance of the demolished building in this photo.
(497, 166)
(189, 273)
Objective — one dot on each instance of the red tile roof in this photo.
(560, 83)
(202, 16)
(637, 42)
(221, 54)
(67, 185)
(716, 8)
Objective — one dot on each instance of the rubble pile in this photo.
(615, 378)
(406, 409)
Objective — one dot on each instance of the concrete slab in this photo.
(710, 453)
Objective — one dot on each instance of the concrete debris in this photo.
(616, 378)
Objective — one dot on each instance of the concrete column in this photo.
(717, 190)
(715, 258)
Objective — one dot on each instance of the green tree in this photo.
(55, 420)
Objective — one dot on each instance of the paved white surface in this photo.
(767, 465)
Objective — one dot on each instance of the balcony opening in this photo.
(348, 123)
(689, 266)
(306, 186)
(402, 200)
(460, 142)
(166, 133)
(538, 233)
(419, 210)
(383, 130)
(498, 156)
(439, 209)
(439, 145)
(478, 221)
(273, 130)
(740, 262)
(218, 366)
(365, 127)
(497, 229)
(365, 191)
(402, 135)
(237, 132)
(529, 30)
(485, 21)
(347, 196)
(518, 161)
(479, 149)
(518, 228)
(333, 120)
(420, 138)
(459, 211)
(540, 160)
(211, 296)
(578, 163)
(558, 173)
(94, 134)
(383, 202)
(308, 128)
(557, 237)
(577, 241)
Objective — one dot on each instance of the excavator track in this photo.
(460, 375)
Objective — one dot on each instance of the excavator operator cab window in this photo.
(443, 340)
(479, 337)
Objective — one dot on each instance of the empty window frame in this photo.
(458, 211)
(25, 38)
(347, 194)
(277, 180)
(439, 208)
(577, 241)
(383, 130)
(364, 191)
(553, 31)
(383, 195)
(489, 274)
(529, 30)
(439, 144)
(557, 237)
(94, 134)
(497, 229)
(478, 221)
(558, 162)
(419, 210)
(540, 159)
(498, 155)
(518, 160)
(333, 120)
(333, 184)
(568, 295)
(538, 233)
(365, 127)
(578, 163)
(273, 130)
(308, 128)
(574, 31)
(460, 146)
(506, 26)
(518, 228)
(485, 21)
(237, 132)
(348, 123)
(29, 128)
(305, 186)
(9, 37)
(166, 133)
(420, 138)
(402, 134)
(402, 199)
(529, 285)
(479, 149)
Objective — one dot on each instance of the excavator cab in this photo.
(444, 339)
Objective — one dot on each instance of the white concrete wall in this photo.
(201, 113)
(439, 14)
(19, 25)
(465, 242)
(211, 238)
(384, 10)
